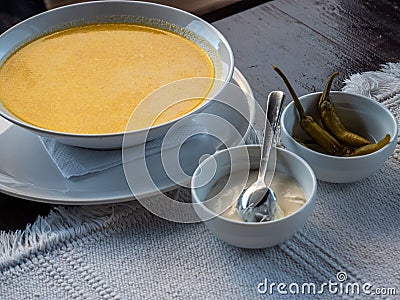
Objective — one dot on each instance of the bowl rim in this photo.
(16, 120)
(393, 138)
(309, 201)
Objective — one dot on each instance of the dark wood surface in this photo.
(310, 39)
(307, 39)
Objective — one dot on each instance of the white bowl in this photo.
(156, 15)
(252, 235)
(359, 114)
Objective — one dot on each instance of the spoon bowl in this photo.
(265, 210)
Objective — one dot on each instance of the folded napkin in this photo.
(75, 161)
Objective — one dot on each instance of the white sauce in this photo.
(289, 195)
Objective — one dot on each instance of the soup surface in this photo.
(90, 79)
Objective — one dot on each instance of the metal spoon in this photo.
(258, 202)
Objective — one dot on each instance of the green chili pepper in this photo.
(367, 149)
(304, 141)
(323, 138)
(310, 144)
(333, 123)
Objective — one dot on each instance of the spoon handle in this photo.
(273, 112)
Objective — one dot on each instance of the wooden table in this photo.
(307, 39)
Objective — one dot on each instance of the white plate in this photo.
(26, 170)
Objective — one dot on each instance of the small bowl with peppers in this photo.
(344, 137)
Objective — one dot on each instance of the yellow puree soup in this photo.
(89, 79)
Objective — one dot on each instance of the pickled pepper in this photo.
(333, 123)
(322, 137)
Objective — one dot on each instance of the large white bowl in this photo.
(359, 114)
(252, 235)
(156, 15)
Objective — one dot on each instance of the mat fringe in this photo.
(61, 225)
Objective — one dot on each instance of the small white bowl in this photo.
(160, 16)
(359, 114)
(252, 235)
